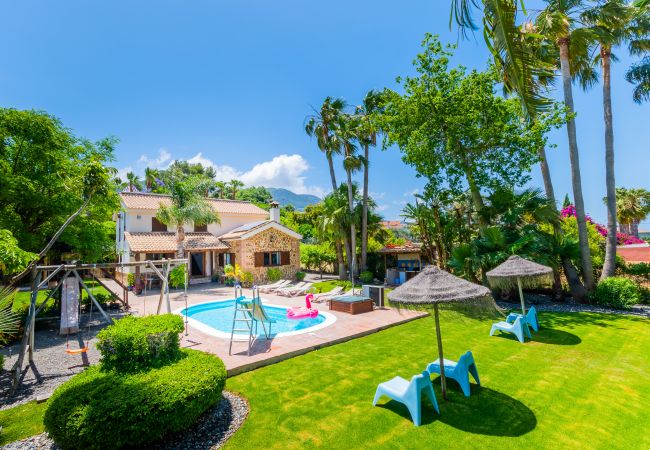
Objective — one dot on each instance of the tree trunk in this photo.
(180, 242)
(364, 217)
(609, 267)
(353, 231)
(585, 254)
(477, 200)
(337, 243)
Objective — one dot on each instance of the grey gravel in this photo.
(211, 431)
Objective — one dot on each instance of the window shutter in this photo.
(285, 258)
(220, 260)
(200, 228)
(232, 259)
(157, 225)
(259, 259)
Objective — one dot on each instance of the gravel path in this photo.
(211, 431)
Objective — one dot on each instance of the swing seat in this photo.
(77, 351)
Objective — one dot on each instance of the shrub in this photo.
(366, 276)
(177, 276)
(100, 409)
(137, 343)
(246, 279)
(273, 274)
(617, 292)
(300, 276)
(130, 279)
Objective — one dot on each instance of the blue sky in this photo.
(230, 84)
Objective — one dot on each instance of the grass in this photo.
(21, 422)
(328, 285)
(581, 383)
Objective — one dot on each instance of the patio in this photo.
(265, 352)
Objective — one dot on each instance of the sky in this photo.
(230, 84)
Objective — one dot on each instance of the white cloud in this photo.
(121, 173)
(283, 171)
(412, 193)
(380, 208)
(377, 195)
(223, 173)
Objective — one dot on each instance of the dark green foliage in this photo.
(639, 269)
(366, 276)
(100, 409)
(177, 276)
(300, 276)
(133, 344)
(130, 279)
(617, 292)
(273, 274)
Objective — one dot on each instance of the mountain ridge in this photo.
(286, 197)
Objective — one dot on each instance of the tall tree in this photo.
(234, 186)
(558, 24)
(220, 189)
(134, 182)
(368, 129)
(322, 125)
(633, 206)
(150, 178)
(187, 205)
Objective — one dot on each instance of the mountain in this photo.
(299, 201)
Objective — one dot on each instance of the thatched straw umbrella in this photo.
(520, 271)
(433, 287)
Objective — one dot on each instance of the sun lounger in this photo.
(285, 290)
(282, 285)
(409, 393)
(298, 290)
(327, 295)
(529, 319)
(275, 285)
(517, 328)
(459, 371)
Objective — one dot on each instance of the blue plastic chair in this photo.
(458, 371)
(409, 393)
(530, 318)
(517, 328)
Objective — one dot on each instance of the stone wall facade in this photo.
(270, 240)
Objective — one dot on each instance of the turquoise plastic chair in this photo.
(517, 328)
(530, 318)
(409, 393)
(458, 371)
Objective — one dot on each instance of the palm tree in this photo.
(134, 182)
(234, 186)
(188, 205)
(150, 176)
(347, 132)
(322, 125)
(613, 23)
(639, 73)
(633, 206)
(557, 23)
(220, 189)
(367, 136)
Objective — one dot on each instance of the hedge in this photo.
(100, 409)
(617, 292)
(132, 344)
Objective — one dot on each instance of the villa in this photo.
(246, 235)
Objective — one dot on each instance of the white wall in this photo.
(231, 221)
(228, 222)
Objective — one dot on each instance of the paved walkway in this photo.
(265, 352)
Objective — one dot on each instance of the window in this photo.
(157, 225)
(226, 258)
(157, 256)
(200, 228)
(271, 259)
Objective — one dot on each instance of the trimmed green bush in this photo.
(617, 292)
(132, 344)
(99, 409)
(177, 277)
(130, 279)
(273, 274)
(300, 276)
(366, 277)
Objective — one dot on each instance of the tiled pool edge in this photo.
(282, 357)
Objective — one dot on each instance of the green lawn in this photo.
(326, 286)
(21, 422)
(582, 383)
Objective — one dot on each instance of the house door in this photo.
(197, 268)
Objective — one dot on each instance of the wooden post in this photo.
(440, 355)
(92, 298)
(521, 296)
(167, 270)
(28, 336)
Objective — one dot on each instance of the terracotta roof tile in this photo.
(139, 200)
(166, 242)
(409, 247)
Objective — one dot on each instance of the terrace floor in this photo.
(265, 352)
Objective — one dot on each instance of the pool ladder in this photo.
(243, 317)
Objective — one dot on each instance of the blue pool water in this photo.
(219, 315)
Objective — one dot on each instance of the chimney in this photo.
(274, 212)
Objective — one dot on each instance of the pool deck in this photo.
(265, 352)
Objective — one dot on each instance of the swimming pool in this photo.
(215, 318)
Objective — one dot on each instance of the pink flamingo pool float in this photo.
(303, 312)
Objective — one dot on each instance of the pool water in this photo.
(218, 316)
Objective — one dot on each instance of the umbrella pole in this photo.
(441, 360)
(521, 296)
